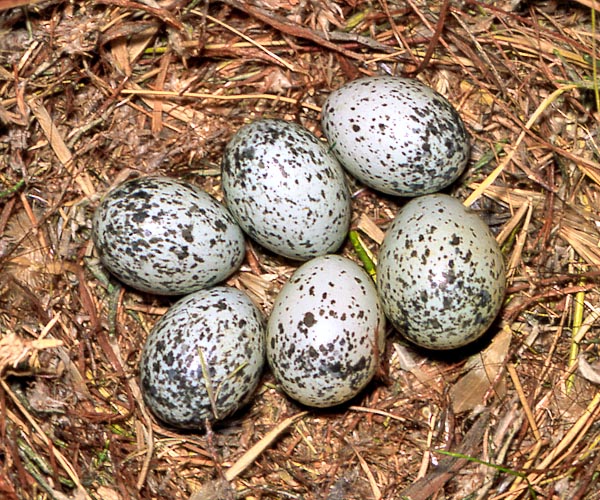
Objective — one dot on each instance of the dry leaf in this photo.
(485, 366)
(14, 350)
(108, 493)
(404, 356)
(587, 371)
(368, 226)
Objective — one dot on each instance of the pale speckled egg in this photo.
(396, 135)
(165, 236)
(440, 273)
(203, 358)
(326, 332)
(285, 189)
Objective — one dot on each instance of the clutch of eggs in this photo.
(441, 277)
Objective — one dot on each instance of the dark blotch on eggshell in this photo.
(220, 326)
(397, 135)
(165, 236)
(440, 273)
(285, 189)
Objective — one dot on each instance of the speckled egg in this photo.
(396, 135)
(440, 273)
(165, 236)
(203, 358)
(326, 332)
(285, 189)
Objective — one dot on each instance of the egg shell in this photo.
(285, 189)
(396, 135)
(326, 332)
(209, 342)
(440, 273)
(165, 236)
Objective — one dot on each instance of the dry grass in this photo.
(94, 92)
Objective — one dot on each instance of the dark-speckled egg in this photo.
(396, 135)
(326, 332)
(203, 358)
(285, 189)
(165, 236)
(440, 273)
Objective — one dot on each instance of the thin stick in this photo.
(247, 38)
(489, 180)
(439, 27)
(575, 434)
(235, 97)
(375, 411)
(365, 467)
(59, 147)
(594, 60)
(59, 456)
(570, 437)
(577, 320)
(530, 418)
(515, 259)
(248, 458)
(11, 4)
(288, 27)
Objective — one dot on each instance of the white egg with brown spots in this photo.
(396, 135)
(326, 333)
(285, 189)
(165, 236)
(440, 273)
(203, 358)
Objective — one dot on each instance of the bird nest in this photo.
(96, 92)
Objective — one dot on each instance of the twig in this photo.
(365, 467)
(489, 180)
(439, 27)
(11, 4)
(521, 393)
(245, 37)
(449, 466)
(159, 13)
(234, 97)
(288, 27)
(59, 146)
(59, 456)
(250, 456)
